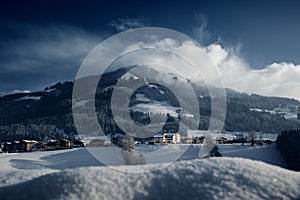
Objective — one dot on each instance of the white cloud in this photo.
(277, 79)
(128, 23)
(201, 32)
(48, 54)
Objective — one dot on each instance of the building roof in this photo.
(157, 136)
(30, 141)
(170, 134)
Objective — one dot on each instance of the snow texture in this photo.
(218, 178)
(75, 174)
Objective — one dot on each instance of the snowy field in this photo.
(244, 172)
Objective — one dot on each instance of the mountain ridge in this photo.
(52, 107)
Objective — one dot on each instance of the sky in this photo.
(43, 42)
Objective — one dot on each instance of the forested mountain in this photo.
(38, 115)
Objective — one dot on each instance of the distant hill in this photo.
(38, 115)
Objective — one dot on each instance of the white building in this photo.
(171, 138)
(167, 138)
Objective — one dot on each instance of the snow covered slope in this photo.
(218, 178)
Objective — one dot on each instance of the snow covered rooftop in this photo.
(158, 136)
(30, 141)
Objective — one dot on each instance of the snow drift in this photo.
(217, 178)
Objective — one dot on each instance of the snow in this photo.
(36, 98)
(142, 98)
(80, 103)
(161, 91)
(217, 178)
(75, 174)
(285, 112)
(188, 115)
(267, 153)
(30, 141)
(50, 90)
(129, 76)
(152, 86)
(259, 110)
(156, 107)
(87, 139)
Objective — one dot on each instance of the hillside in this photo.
(36, 115)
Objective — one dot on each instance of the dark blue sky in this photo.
(266, 31)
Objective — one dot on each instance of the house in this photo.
(239, 137)
(222, 140)
(117, 139)
(186, 140)
(177, 138)
(65, 144)
(7, 147)
(158, 138)
(19, 146)
(27, 145)
(198, 140)
(52, 145)
(59, 144)
(171, 138)
(78, 143)
(97, 142)
(196, 136)
(165, 138)
(16, 146)
(151, 142)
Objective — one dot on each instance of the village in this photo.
(32, 145)
(197, 137)
(193, 137)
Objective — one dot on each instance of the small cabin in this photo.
(158, 138)
(59, 144)
(78, 143)
(52, 145)
(65, 144)
(97, 142)
(27, 145)
(222, 140)
(7, 147)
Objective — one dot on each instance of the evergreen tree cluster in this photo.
(288, 143)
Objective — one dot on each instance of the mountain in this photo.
(39, 115)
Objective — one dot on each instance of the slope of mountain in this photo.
(36, 115)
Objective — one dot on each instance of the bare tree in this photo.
(252, 136)
(131, 157)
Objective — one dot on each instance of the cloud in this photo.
(201, 32)
(43, 55)
(128, 23)
(47, 54)
(277, 79)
